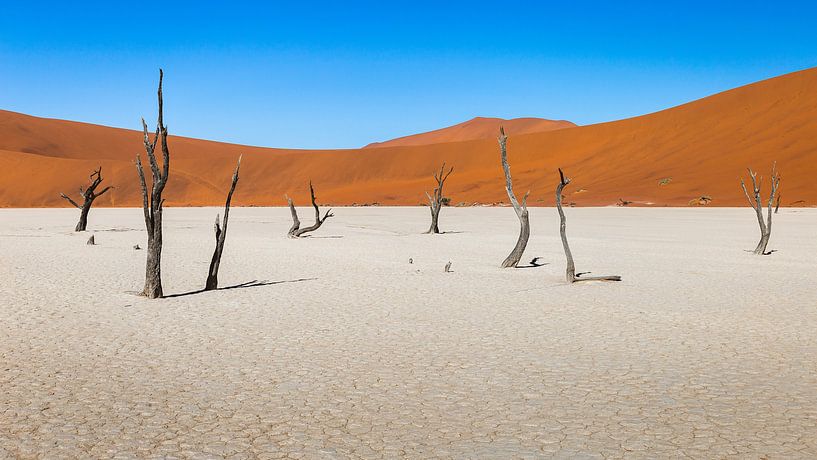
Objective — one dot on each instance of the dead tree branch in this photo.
(521, 209)
(221, 236)
(435, 201)
(757, 205)
(295, 231)
(152, 202)
(88, 196)
(570, 272)
(296, 223)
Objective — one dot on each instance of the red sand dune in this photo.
(477, 128)
(703, 146)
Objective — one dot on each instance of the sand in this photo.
(697, 149)
(477, 128)
(347, 350)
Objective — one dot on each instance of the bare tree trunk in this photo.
(757, 205)
(295, 231)
(296, 223)
(152, 203)
(221, 236)
(521, 210)
(777, 205)
(436, 201)
(570, 273)
(88, 195)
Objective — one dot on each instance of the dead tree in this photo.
(521, 210)
(757, 204)
(88, 195)
(570, 273)
(777, 205)
(436, 201)
(152, 202)
(221, 236)
(296, 231)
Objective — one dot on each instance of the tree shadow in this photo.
(248, 284)
(534, 263)
(321, 237)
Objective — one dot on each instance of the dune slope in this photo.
(696, 149)
(477, 128)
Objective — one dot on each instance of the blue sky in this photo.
(343, 74)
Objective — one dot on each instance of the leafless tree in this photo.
(757, 204)
(777, 205)
(296, 231)
(88, 195)
(521, 209)
(221, 236)
(435, 202)
(152, 202)
(570, 273)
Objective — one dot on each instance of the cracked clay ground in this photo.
(703, 351)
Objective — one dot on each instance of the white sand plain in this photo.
(703, 350)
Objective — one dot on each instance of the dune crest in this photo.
(476, 128)
(674, 157)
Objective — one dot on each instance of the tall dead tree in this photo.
(221, 236)
(570, 273)
(296, 231)
(88, 196)
(757, 204)
(152, 202)
(521, 209)
(436, 201)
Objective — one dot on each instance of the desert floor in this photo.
(342, 348)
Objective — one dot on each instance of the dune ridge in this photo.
(665, 158)
(476, 128)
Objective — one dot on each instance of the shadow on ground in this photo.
(248, 284)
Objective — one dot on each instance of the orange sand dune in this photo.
(702, 147)
(477, 128)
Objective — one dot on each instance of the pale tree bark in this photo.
(296, 223)
(296, 231)
(88, 196)
(221, 236)
(757, 205)
(521, 209)
(570, 273)
(435, 201)
(152, 202)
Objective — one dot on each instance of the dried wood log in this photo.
(88, 196)
(152, 202)
(435, 201)
(521, 209)
(221, 236)
(757, 205)
(570, 272)
(296, 231)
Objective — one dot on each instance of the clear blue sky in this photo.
(343, 74)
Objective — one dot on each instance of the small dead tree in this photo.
(296, 231)
(521, 209)
(570, 273)
(152, 202)
(88, 195)
(435, 202)
(757, 204)
(221, 236)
